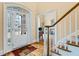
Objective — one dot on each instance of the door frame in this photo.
(30, 36)
(37, 26)
(45, 13)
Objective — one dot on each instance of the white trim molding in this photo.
(1, 52)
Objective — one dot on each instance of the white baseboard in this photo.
(1, 52)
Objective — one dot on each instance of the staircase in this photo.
(68, 46)
(66, 49)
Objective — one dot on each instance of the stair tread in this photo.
(56, 53)
(53, 54)
(63, 53)
(73, 45)
(74, 50)
(65, 49)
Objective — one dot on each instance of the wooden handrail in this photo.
(64, 15)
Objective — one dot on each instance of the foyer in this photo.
(39, 29)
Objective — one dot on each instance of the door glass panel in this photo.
(18, 24)
(23, 25)
(9, 27)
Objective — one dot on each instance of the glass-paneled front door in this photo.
(16, 28)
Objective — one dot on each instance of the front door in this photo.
(19, 30)
(16, 28)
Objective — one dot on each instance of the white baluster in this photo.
(76, 32)
(70, 27)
